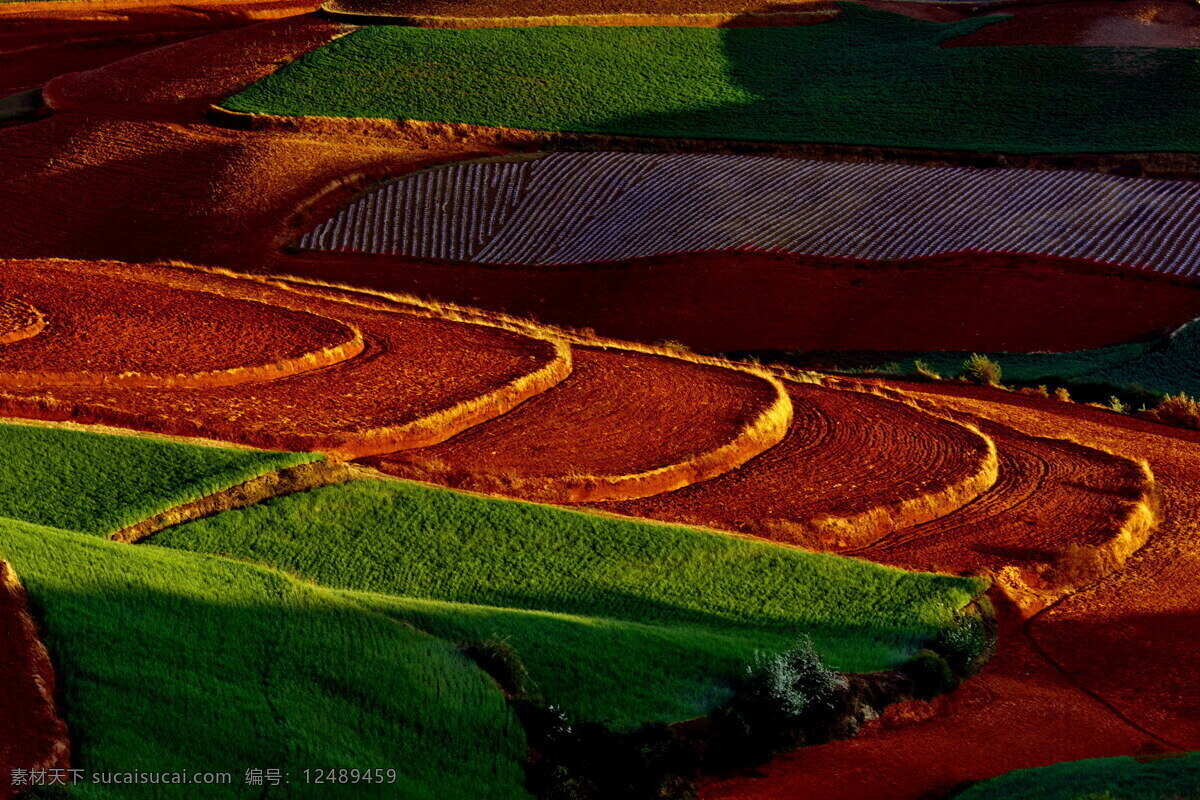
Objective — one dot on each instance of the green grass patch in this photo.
(618, 620)
(99, 483)
(1174, 778)
(180, 662)
(868, 77)
(1169, 364)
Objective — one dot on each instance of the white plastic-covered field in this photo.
(568, 208)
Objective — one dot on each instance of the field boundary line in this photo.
(20, 625)
(276, 483)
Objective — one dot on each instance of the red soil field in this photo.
(620, 415)
(181, 81)
(865, 464)
(18, 320)
(32, 736)
(1095, 490)
(717, 302)
(1104, 671)
(41, 40)
(418, 381)
(157, 181)
(467, 13)
(1092, 23)
(101, 328)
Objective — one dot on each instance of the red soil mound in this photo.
(39, 40)
(718, 302)
(105, 329)
(32, 736)
(624, 424)
(18, 320)
(418, 381)
(865, 465)
(181, 81)
(1105, 671)
(1093, 23)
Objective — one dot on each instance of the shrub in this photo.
(792, 683)
(981, 369)
(674, 344)
(1178, 409)
(931, 675)
(499, 659)
(1062, 394)
(1117, 404)
(961, 645)
(925, 371)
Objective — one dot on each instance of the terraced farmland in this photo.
(568, 208)
(870, 464)
(233, 531)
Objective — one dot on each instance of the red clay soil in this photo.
(42, 40)
(100, 325)
(1093, 23)
(717, 302)
(413, 368)
(1108, 670)
(181, 81)
(465, 13)
(620, 413)
(18, 320)
(1038, 476)
(32, 736)
(157, 183)
(852, 467)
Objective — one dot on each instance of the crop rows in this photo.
(601, 207)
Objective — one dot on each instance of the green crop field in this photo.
(867, 77)
(179, 662)
(587, 600)
(1168, 364)
(1175, 778)
(98, 483)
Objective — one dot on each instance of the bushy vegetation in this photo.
(1167, 778)
(98, 483)
(981, 369)
(833, 82)
(587, 600)
(176, 661)
(1141, 371)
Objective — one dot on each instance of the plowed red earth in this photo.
(1006, 524)
(100, 324)
(719, 302)
(1092, 23)
(182, 81)
(1108, 670)
(619, 413)
(32, 736)
(853, 454)
(157, 183)
(443, 11)
(40, 40)
(412, 367)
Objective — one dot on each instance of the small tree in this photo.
(1062, 394)
(1117, 404)
(981, 369)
